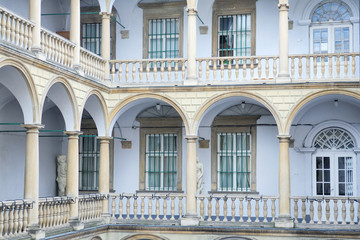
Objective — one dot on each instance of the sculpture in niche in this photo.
(199, 177)
(61, 174)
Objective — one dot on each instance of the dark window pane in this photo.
(319, 176)
(326, 163)
(319, 189)
(341, 176)
(326, 188)
(319, 163)
(342, 189)
(326, 175)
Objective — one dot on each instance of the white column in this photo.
(284, 219)
(31, 184)
(75, 30)
(35, 17)
(105, 42)
(283, 39)
(191, 78)
(72, 176)
(104, 173)
(191, 216)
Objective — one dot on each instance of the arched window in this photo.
(331, 29)
(334, 163)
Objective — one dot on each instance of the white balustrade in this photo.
(92, 64)
(90, 206)
(57, 48)
(325, 67)
(14, 217)
(54, 211)
(147, 206)
(15, 30)
(232, 70)
(148, 71)
(325, 210)
(237, 208)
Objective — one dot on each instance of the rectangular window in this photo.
(163, 38)
(323, 186)
(345, 175)
(234, 161)
(89, 154)
(342, 40)
(91, 37)
(234, 35)
(320, 40)
(161, 161)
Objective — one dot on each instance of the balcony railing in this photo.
(90, 206)
(238, 208)
(54, 211)
(14, 217)
(147, 206)
(148, 71)
(18, 32)
(326, 210)
(15, 30)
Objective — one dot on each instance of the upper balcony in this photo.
(153, 70)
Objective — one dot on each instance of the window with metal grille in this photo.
(89, 154)
(91, 37)
(234, 35)
(234, 161)
(163, 38)
(161, 161)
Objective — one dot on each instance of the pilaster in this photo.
(104, 174)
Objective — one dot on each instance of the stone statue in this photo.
(61, 174)
(199, 177)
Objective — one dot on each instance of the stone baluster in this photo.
(222, 69)
(274, 67)
(127, 72)
(142, 208)
(183, 69)
(248, 210)
(296, 210)
(311, 211)
(300, 67)
(351, 211)
(162, 70)
(241, 207)
(330, 66)
(323, 67)
(346, 66)
(229, 69)
(319, 211)
(135, 207)
(169, 70)
(180, 207)
(315, 68)
(327, 211)
(273, 209)
(259, 68)
(244, 68)
(11, 220)
(217, 209)
(207, 70)
(353, 65)
(1, 217)
(214, 68)
(165, 208)
(6, 221)
(209, 208)
(176, 70)
(113, 205)
(233, 209)
(155, 70)
(336, 211)
(200, 69)
(150, 207)
(343, 211)
(172, 208)
(303, 210)
(157, 208)
(266, 68)
(338, 66)
(265, 209)
(225, 209)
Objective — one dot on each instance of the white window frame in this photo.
(334, 170)
(95, 154)
(331, 35)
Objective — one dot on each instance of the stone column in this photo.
(191, 78)
(35, 17)
(72, 177)
(283, 40)
(75, 31)
(104, 172)
(191, 217)
(31, 184)
(105, 42)
(284, 219)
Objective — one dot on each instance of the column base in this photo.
(76, 224)
(38, 53)
(284, 222)
(106, 217)
(79, 70)
(36, 232)
(191, 81)
(190, 220)
(283, 78)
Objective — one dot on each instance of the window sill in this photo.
(229, 194)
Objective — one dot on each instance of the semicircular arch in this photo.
(308, 98)
(95, 104)
(114, 113)
(207, 105)
(25, 93)
(67, 106)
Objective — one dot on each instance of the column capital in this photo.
(104, 138)
(34, 126)
(191, 11)
(105, 14)
(283, 6)
(73, 133)
(191, 137)
(284, 138)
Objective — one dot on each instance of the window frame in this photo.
(227, 8)
(159, 126)
(94, 152)
(162, 10)
(97, 18)
(233, 124)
